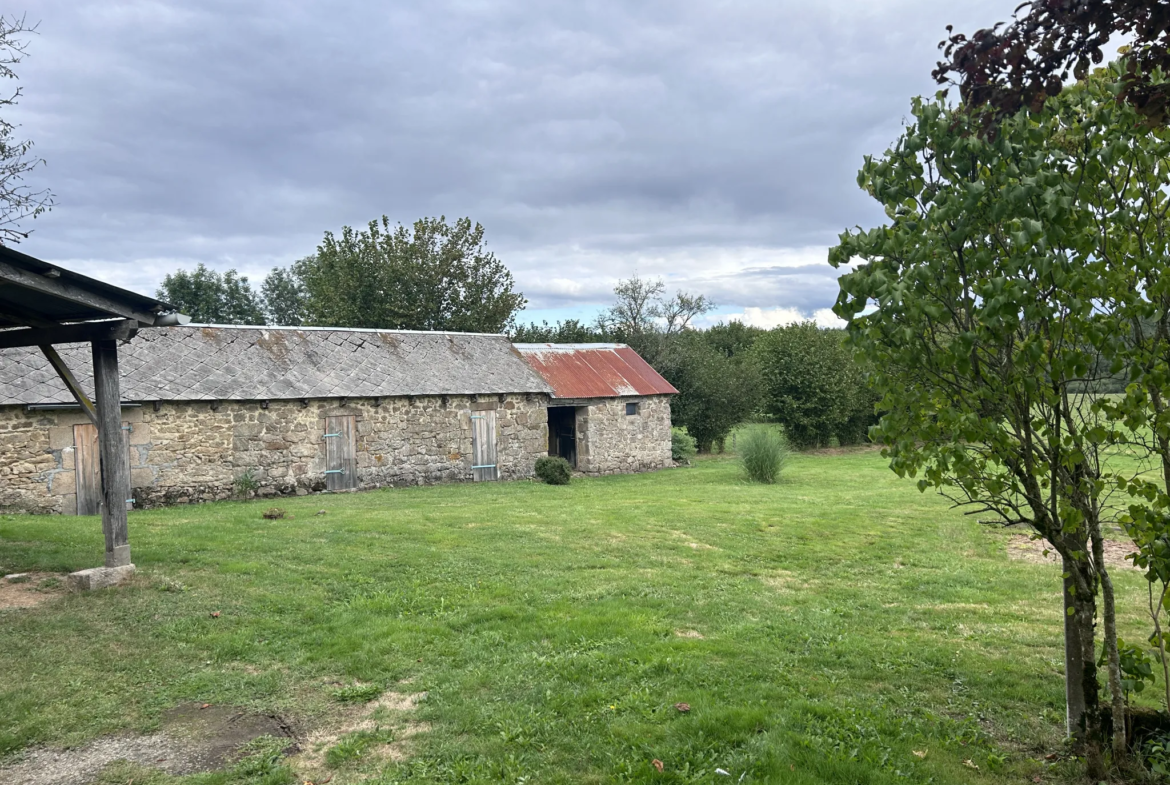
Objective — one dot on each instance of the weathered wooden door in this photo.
(341, 452)
(483, 446)
(87, 465)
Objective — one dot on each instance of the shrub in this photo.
(682, 446)
(247, 483)
(554, 471)
(763, 453)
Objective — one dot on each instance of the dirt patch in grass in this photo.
(392, 710)
(689, 634)
(193, 739)
(1022, 547)
(30, 589)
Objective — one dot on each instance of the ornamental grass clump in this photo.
(554, 471)
(763, 453)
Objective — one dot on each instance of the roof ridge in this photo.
(568, 347)
(330, 329)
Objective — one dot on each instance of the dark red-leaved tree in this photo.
(1021, 63)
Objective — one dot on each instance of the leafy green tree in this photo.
(1126, 185)
(210, 297)
(433, 275)
(733, 338)
(568, 331)
(813, 386)
(283, 298)
(974, 309)
(716, 392)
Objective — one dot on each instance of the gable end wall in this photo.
(611, 442)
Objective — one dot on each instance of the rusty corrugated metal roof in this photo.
(594, 370)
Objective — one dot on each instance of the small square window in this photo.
(631, 409)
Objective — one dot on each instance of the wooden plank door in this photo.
(483, 446)
(87, 465)
(341, 452)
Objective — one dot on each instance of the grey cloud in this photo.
(591, 140)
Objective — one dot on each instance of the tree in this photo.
(17, 200)
(813, 386)
(434, 275)
(1126, 194)
(646, 319)
(283, 298)
(1022, 64)
(974, 309)
(716, 392)
(734, 337)
(209, 297)
(568, 331)
(634, 311)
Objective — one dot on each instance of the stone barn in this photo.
(610, 411)
(209, 412)
(214, 412)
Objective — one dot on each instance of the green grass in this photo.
(846, 622)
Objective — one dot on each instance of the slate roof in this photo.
(209, 362)
(594, 370)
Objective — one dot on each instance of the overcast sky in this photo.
(714, 144)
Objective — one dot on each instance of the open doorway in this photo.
(562, 433)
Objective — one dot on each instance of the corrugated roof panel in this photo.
(653, 378)
(594, 370)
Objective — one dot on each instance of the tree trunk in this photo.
(1116, 694)
(1074, 670)
(1090, 726)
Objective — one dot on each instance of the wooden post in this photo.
(115, 475)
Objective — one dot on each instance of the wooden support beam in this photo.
(85, 332)
(70, 382)
(62, 289)
(112, 445)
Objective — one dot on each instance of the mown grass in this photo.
(830, 628)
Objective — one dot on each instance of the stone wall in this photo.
(186, 452)
(609, 441)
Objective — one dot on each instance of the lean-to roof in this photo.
(594, 370)
(215, 362)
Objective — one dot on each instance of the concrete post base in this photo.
(99, 577)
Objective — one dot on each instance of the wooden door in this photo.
(341, 452)
(483, 446)
(87, 465)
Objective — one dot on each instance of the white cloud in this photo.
(776, 317)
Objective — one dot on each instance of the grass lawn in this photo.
(828, 629)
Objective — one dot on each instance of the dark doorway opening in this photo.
(562, 433)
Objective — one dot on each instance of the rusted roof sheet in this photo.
(594, 370)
